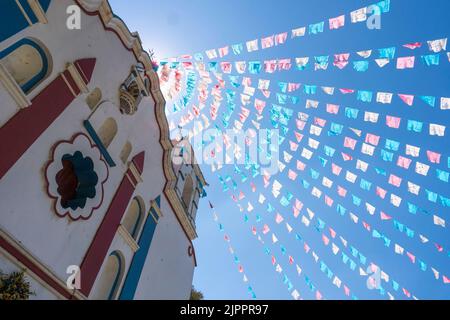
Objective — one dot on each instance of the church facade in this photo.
(91, 204)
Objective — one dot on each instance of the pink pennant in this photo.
(328, 201)
(325, 239)
(346, 91)
(384, 216)
(406, 98)
(347, 291)
(446, 280)
(349, 143)
(366, 226)
(291, 260)
(336, 169)
(381, 192)
(292, 175)
(293, 87)
(342, 192)
(346, 156)
(320, 122)
(411, 257)
(341, 60)
(406, 62)
(223, 51)
(336, 23)
(332, 233)
(281, 38)
(403, 162)
(226, 67)
(413, 46)
(393, 122)
(434, 157)
(332, 108)
(270, 66)
(267, 42)
(318, 295)
(372, 139)
(300, 166)
(395, 181)
(298, 136)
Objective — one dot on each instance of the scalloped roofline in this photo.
(132, 42)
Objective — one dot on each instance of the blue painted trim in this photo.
(99, 143)
(139, 258)
(119, 272)
(26, 7)
(42, 74)
(12, 20)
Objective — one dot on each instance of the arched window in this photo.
(133, 218)
(126, 151)
(107, 132)
(188, 190)
(28, 62)
(111, 277)
(94, 98)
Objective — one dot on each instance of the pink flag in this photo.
(298, 136)
(320, 122)
(293, 87)
(260, 105)
(347, 291)
(279, 219)
(384, 216)
(408, 99)
(325, 239)
(328, 201)
(336, 23)
(341, 60)
(403, 162)
(291, 260)
(266, 229)
(411, 257)
(446, 280)
(406, 292)
(318, 295)
(300, 165)
(284, 64)
(381, 192)
(393, 122)
(346, 91)
(366, 226)
(342, 192)
(434, 157)
(293, 146)
(270, 66)
(332, 233)
(336, 169)
(332, 108)
(406, 62)
(226, 67)
(306, 247)
(298, 204)
(223, 51)
(267, 42)
(395, 181)
(350, 143)
(372, 139)
(280, 38)
(300, 124)
(346, 156)
(292, 175)
(413, 46)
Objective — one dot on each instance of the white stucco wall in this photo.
(27, 212)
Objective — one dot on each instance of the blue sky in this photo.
(172, 28)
